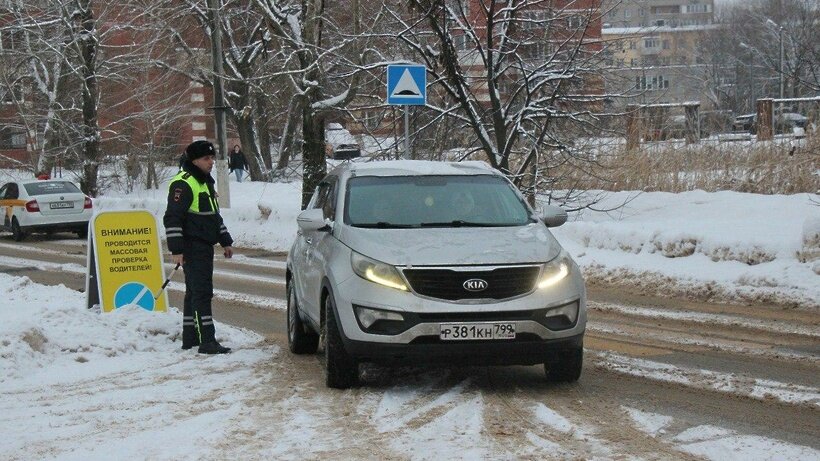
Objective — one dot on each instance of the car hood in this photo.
(532, 243)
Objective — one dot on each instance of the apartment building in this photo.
(656, 50)
(656, 13)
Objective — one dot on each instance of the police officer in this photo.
(192, 227)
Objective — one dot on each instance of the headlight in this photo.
(555, 271)
(376, 271)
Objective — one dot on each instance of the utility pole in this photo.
(782, 70)
(222, 187)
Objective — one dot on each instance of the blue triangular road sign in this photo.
(407, 85)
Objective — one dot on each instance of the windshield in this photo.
(433, 201)
(50, 187)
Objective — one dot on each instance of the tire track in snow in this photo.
(727, 383)
(706, 318)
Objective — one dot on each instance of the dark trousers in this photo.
(197, 320)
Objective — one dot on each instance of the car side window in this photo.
(12, 192)
(329, 207)
(326, 198)
(3, 191)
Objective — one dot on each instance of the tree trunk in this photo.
(313, 153)
(286, 146)
(51, 137)
(244, 126)
(263, 134)
(91, 134)
(151, 175)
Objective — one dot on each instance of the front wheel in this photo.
(301, 339)
(567, 366)
(341, 370)
(16, 231)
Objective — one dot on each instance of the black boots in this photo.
(213, 347)
(189, 337)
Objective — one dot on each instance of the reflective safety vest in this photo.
(203, 202)
(197, 220)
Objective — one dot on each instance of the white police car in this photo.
(44, 206)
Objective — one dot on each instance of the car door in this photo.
(317, 245)
(297, 257)
(9, 198)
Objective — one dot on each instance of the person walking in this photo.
(193, 226)
(237, 163)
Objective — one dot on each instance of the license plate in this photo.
(476, 331)
(61, 205)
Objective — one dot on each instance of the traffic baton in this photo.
(165, 284)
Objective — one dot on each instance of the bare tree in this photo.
(522, 76)
(320, 82)
(761, 26)
(36, 73)
(91, 86)
(246, 49)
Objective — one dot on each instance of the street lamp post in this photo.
(781, 66)
(782, 71)
(752, 97)
(222, 188)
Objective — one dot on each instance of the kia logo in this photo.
(475, 285)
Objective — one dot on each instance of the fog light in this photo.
(367, 317)
(562, 317)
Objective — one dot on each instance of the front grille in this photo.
(502, 283)
(495, 316)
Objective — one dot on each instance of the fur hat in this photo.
(199, 149)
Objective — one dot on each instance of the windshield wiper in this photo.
(382, 225)
(460, 223)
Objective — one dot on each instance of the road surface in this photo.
(662, 378)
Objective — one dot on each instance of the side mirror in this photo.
(553, 216)
(311, 220)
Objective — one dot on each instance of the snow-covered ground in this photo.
(724, 245)
(77, 384)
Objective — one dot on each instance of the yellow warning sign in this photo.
(127, 260)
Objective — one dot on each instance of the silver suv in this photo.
(421, 262)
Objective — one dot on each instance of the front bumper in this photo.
(526, 349)
(417, 339)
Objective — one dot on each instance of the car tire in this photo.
(567, 366)
(301, 339)
(16, 231)
(341, 370)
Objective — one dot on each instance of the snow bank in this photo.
(78, 384)
(724, 246)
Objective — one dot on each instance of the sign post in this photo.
(125, 262)
(407, 86)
